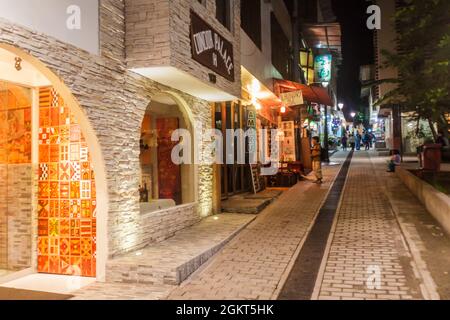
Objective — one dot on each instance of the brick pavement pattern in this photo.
(121, 291)
(252, 265)
(152, 272)
(367, 239)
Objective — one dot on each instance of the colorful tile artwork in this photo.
(67, 199)
(15, 124)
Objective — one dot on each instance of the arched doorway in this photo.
(165, 184)
(50, 163)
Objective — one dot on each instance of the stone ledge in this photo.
(436, 202)
(172, 261)
(168, 210)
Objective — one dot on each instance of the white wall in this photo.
(259, 61)
(386, 41)
(53, 17)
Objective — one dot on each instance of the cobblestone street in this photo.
(367, 240)
(377, 247)
(254, 264)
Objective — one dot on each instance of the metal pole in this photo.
(296, 43)
(326, 158)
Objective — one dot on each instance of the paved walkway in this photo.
(425, 237)
(254, 264)
(383, 245)
(368, 258)
(151, 273)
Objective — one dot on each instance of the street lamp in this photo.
(353, 114)
(341, 106)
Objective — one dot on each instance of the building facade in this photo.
(96, 118)
(386, 40)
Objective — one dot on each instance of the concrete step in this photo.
(384, 153)
(172, 261)
(245, 206)
(266, 194)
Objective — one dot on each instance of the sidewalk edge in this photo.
(428, 286)
(319, 281)
(294, 257)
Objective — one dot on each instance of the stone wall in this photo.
(114, 101)
(160, 225)
(15, 216)
(3, 217)
(158, 34)
(148, 33)
(19, 216)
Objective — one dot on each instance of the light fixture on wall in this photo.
(283, 109)
(212, 78)
(18, 64)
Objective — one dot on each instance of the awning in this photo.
(324, 36)
(310, 93)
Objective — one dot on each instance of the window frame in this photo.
(229, 11)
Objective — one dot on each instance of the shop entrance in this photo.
(46, 175)
(230, 115)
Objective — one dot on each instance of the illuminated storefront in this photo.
(92, 134)
(47, 175)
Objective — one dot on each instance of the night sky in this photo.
(357, 49)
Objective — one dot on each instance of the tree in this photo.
(423, 61)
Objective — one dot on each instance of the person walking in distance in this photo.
(344, 142)
(366, 139)
(358, 139)
(316, 153)
(352, 140)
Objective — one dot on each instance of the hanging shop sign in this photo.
(322, 66)
(211, 49)
(251, 124)
(72, 21)
(293, 98)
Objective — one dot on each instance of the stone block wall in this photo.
(158, 34)
(161, 225)
(148, 33)
(19, 210)
(114, 101)
(3, 217)
(15, 216)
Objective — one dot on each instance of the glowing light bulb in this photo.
(283, 109)
(256, 86)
